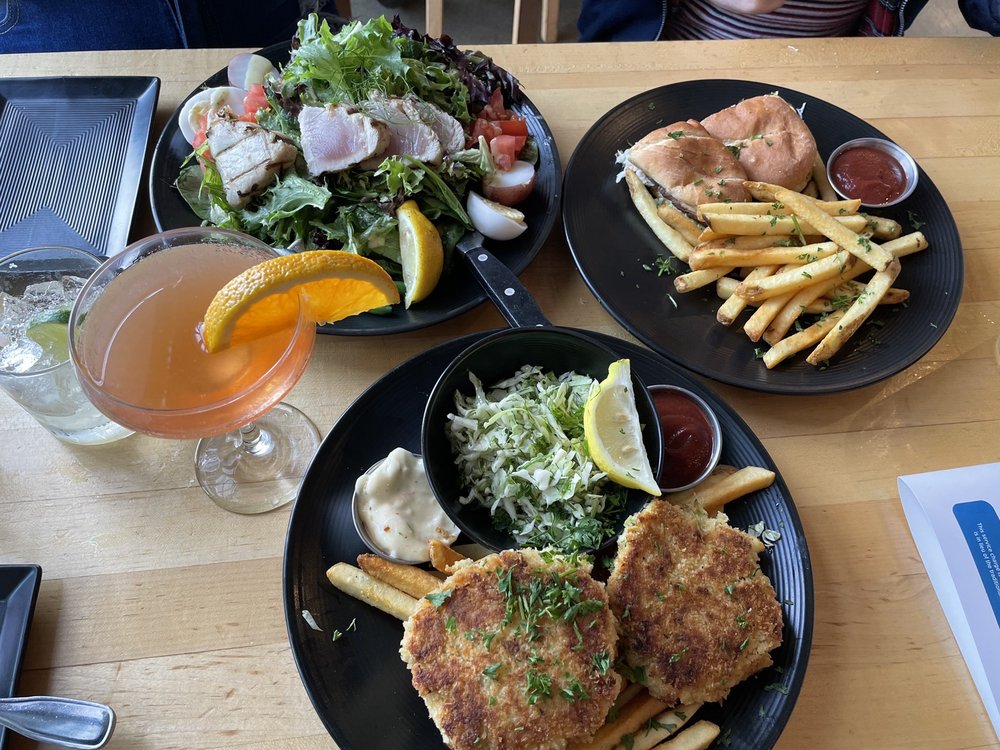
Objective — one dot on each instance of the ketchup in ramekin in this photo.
(873, 170)
(692, 438)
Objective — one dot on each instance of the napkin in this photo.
(954, 517)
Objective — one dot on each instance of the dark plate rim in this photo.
(145, 91)
(778, 380)
(15, 624)
(366, 324)
(802, 613)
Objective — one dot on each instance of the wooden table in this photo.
(155, 601)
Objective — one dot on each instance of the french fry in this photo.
(443, 557)
(672, 239)
(660, 727)
(630, 718)
(406, 578)
(688, 282)
(793, 309)
(705, 257)
(712, 496)
(744, 242)
(371, 591)
(674, 217)
(756, 226)
(775, 208)
(698, 736)
(791, 280)
(800, 341)
(758, 323)
(833, 302)
(784, 320)
(804, 207)
(826, 191)
(735, 304)
(856, 314)
(882, 228)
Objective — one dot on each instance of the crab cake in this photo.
(696, 614)
(515, 651)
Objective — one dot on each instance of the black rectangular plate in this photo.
(71, 156)
(18, 591)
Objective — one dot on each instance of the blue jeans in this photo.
(65, 25)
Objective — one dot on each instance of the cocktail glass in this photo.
(135, 339)
(37, 290)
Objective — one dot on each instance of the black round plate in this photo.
(611, 244)
(358, 684)
(457, 292)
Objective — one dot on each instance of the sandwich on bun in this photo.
(688, 166)
(769, 138)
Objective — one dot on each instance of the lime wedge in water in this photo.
(50, 331)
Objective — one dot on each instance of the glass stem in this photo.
(255, 442)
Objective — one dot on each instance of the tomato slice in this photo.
(494, 109)
(504, 151)
(485, 128)
(255, 99)
(514, 126)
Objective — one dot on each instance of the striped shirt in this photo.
(700, 19)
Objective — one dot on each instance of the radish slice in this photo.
(494, 220)
(511, 186)
(192, 116)
(246, 69)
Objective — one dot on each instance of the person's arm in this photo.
(982, 14)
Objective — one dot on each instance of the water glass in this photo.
(37, 290)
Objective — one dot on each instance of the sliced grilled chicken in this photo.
(248, 157)
(448, 130)
(337, 137)
(408, 134)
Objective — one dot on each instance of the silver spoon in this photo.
(59, 721)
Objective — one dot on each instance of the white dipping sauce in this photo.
(398, 509)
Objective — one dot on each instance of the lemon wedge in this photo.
(421, 253)
(613, 433)
(264, 299)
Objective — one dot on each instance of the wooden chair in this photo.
(534, 20)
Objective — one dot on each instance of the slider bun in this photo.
(690, 166)
(774, 144)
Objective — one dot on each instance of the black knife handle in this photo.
(510, 296)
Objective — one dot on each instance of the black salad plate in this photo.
(457, 292)
(71, 157)
(613, 250)
(359, 685)
(18, 591)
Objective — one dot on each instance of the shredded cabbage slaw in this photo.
(521, 452)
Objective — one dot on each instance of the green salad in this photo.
(354, 208)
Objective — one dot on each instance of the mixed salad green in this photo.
(521, 452)
(355, 209)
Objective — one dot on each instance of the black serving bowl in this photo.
(493, 359)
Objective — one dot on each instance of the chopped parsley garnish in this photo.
(538, 685)
(492, 670)
(437, 598)
(574, 691)
(777, 687)
(676, 134)
(674, 658)
(602, 662)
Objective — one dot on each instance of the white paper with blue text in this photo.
(954, 516)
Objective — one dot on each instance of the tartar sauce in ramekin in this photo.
(398, 509)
